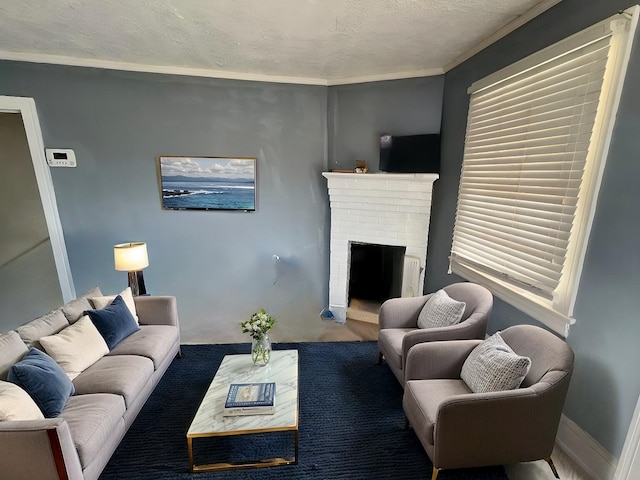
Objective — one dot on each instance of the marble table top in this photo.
(282, 369)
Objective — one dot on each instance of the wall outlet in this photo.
(60, 157)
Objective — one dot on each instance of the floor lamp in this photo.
(132, 257)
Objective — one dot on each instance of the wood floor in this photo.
(354, 330)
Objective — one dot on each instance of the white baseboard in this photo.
(585, 451)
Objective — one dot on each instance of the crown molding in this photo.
(503, 32)
(386, 76)
(163, 69)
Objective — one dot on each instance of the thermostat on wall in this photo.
(60, 157)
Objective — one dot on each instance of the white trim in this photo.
(629, 463)
(608, 110)
(518, 298)
(27, 108)
(210, 73)
(503, 32)
(429, 72)
(163, 69)
(585, 451)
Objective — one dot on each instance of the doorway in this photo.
(34, 268)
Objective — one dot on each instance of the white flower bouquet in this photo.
(258, 324)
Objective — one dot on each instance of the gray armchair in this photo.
(398, 323)
(460, 429)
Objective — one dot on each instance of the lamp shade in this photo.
(130, 257)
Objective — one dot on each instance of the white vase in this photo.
(261, 350)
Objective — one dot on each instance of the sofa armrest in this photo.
(40, 449)
(500, 417)
(426, 361)
(401, 312)
(157, 310)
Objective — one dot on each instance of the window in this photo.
(537, 136)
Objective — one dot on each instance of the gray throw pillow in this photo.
(440, 311)
(493, 366)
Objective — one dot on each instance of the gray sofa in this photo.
(109, 394)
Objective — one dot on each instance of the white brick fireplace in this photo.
(383, 209)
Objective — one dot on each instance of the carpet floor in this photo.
(351, 423)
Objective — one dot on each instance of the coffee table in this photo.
(210, 422)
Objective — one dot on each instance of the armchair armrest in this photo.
(38, 449)
(401, 312)
(431, 360)
(157, 310)
(459, 331)
(500, 418)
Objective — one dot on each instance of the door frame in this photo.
(629, 463)
(26, 107)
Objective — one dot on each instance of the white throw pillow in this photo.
(16, 404)
(127, 296)
(440, 311)
(493, 366)
(77, 347)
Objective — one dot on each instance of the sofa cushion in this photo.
(77, 347)
(114, 322)
(42, 326)
(92, 420)
(424, 398)
(440, 311)
(105, 301)
(493, 366)
(12, 349)
(151, 341)
(16, 404)
(74, 310)
(44, 381)
(125, 375)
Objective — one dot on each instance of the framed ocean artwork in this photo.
(208, 183)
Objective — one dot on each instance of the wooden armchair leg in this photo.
(435, 473)
(553, 467)
(380, 358)
(406, 423)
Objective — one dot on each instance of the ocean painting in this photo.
(208, 183)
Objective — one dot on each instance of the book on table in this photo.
(250, 399)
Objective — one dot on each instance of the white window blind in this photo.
(534, 150)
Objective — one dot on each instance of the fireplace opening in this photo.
(375, 275)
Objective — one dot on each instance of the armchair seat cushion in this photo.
(422, 399)
(390, 342)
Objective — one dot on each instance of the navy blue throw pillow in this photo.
(114, 322)
(44, 380)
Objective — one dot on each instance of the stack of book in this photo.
(250, 399)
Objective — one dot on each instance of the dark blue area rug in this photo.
(351, 423)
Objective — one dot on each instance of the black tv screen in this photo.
(410, 153)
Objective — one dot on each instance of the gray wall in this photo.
(218, 264)
(359, 114)
(605, 385)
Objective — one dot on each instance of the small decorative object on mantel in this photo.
(361, 166)
(258, 327)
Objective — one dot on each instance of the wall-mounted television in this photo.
(410, 153)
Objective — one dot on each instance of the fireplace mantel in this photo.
(379, 208)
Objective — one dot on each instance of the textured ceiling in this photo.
(317, 40)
